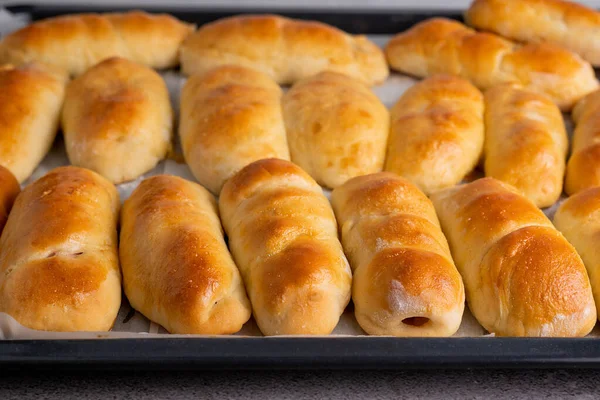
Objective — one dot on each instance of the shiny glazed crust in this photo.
(405, 282)
(283, 236)
(76, 42)
(440, 45)
(522, 277)
(59, 267)
(177, 270)
(285, 49)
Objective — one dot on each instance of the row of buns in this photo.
(117, 120)
(237, 65)
(293, 260)
(549, 57)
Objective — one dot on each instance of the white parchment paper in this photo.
(130, 323)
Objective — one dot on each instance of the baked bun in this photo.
(283, 237)
(177, 270)
(76, 42)
(525, 142)
(521, 276)
(9, 189)
(285, 49)
(440, 45)
(337, 128)
(578, 218)
(404, 280)
(436, 135)
(117, 119)
(583, 167)
(59, 267)
(31, 98)
(230, 117)
(565, 23)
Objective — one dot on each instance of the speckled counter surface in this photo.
(248, 385)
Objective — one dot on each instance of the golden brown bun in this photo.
(522, 277)
(177, 270)
(59, 268)
(436, 135)
(117, 119)
(440, 45)
(566, 23)
(31, 97)
(405, 282)
(578, 218)
(525, 142)
(336, 126)
(285, 49)
(9, 189)
(583, 168)
(77, 42)
(283, 237)
(230, 117)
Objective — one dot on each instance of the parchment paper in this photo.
(130, 323)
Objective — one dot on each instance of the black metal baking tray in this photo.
(299, 353)
(289, 352)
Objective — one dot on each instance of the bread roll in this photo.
(9, 189)
(441, 45)
(404, 280)
(525, 142)
(31, 97)
(230, 117)
(177, 270)
(566, 23)
(285, 49)
(336, 127)
(578, 218)
(283, 237)
(583, 168)
(59, 268)
(77, 42)
(522, 277)
(436, 135)
(117, 120)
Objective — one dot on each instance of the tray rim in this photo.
(359, 20)
(333, 352)
(300, 353)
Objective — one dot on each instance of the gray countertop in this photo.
(248, 385)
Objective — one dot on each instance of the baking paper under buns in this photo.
(437, 131)
(59, 268)
(583, 168)
(566, 23)
(578, 218)
(117, 119)
(283, 48)
(336, 126)
(405, 282)
(9, 189)
(177, 270)
(79, 41)
(230, 117)
(440, 45)
(283, 236)
(522, 277)
(525, 142)
(31, 97)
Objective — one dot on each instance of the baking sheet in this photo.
(131, 324)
